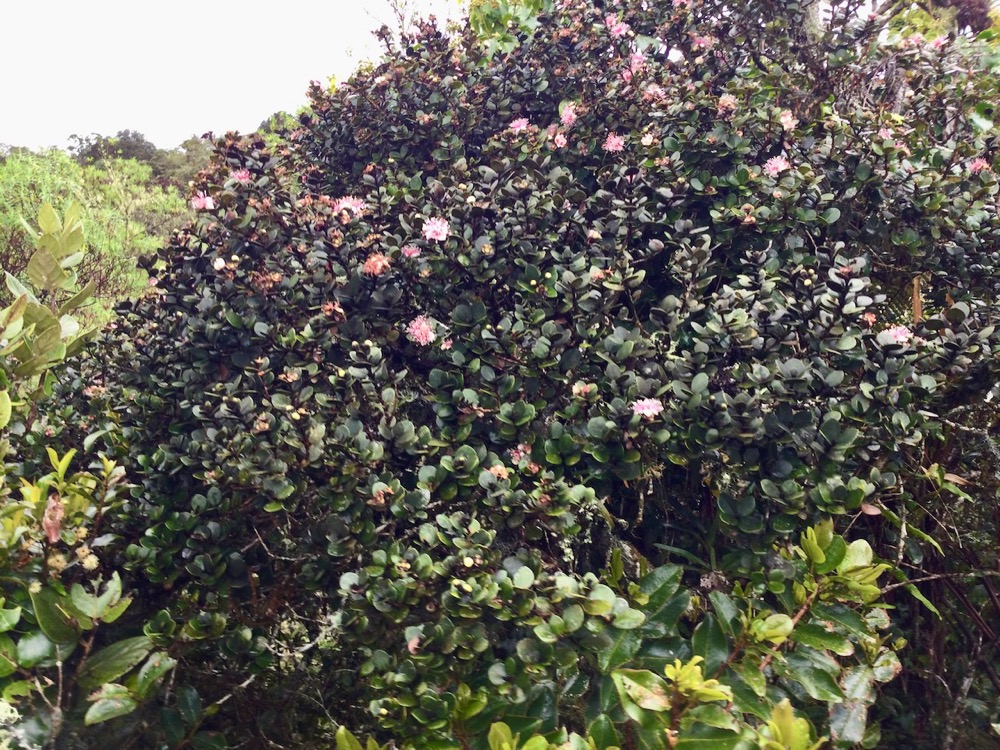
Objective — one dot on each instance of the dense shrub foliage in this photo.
(598, 386)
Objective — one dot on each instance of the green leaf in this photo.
(702, 737)
(814, 671)
(113, 661)
(709, 642)
(643, 688)
(19, 290)
(499, 738)
(45, 272)
(114, 705)
(52, 614)
(5, 409)
(624, 645)
(48, 220)
(8, 656)
(209, 741)
(819, 637)
(189, 704)
(602, 731)
(849, 719)
(155, 667)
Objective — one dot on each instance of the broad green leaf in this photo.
(702, 737)
(709, 642)
(109, 708)
(189, 704)
(5, 409)
(820, 638)
(9, 618)
(209, 741)
(859, 555)
(113, 661)
(645, 689)
(726, 610)
(849, 718)
(45, 272)
(155, 667)
(52, 614)
(602, 731)
(814, 672)
(48, 219)
(624, 645)
(8, 656)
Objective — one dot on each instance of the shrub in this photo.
(432, 400)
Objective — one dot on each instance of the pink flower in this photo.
(241, 176)
(559, 140)
(788, 120)
(436, 229)
(349, 203)
(939, 42)
(614, 143)
(411, 251)
(636, 62)
(615, 27)
(978, 165)
(869, 318)
(421, 330)
(776, 165)
(446, 344)
(885, 134)
(703, 42)
(647, 407)
(202, 202)
(681, 3)
(568, 116)
(519, 125)
(899, 334)
(375, 265)
(654, 92)
(727, 105)
(522, 451)
(627, 76)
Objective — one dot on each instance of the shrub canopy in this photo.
(516, 386)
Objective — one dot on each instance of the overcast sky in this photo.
(173, 68)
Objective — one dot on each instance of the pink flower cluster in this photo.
(900, 334)
(568, 115)
(411, 251)
(522, 451)
(654, 92)
(616, 27)
(519, 125)
(647, 407)
(241, 176)
(614, 143)
(788, 120)
(375, 265)
(776, 165)
(978, 165)
(727, 105)
(349, 203)
(202, 202)
(436, 229)
(421, 330)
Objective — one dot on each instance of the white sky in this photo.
(173, 68)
